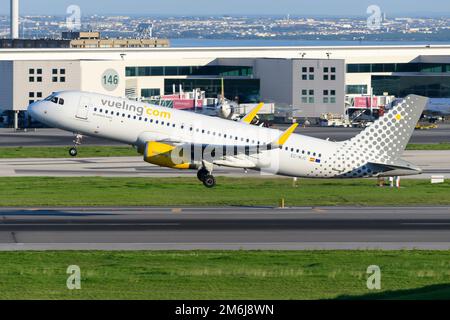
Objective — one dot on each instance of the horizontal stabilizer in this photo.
(397, 168)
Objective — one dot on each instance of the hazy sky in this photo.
(217, 7)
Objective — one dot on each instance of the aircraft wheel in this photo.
(73, 152)
(209, 181)
(201, 174)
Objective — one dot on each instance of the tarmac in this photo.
(432, 162)
(225, 228)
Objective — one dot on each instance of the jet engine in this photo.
(227, 109)
(166, 155)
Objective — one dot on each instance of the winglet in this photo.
(285, 136)
(252, 114)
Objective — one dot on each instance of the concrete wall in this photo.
(19, 86)
(92, 73)
(276, 80)
(314, 110)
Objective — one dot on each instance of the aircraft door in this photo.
(83, 108)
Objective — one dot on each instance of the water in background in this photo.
(281, 43)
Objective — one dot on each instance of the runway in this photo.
(432, 162)
(230, 228)
(56, 137)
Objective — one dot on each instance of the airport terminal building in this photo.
(308, 80)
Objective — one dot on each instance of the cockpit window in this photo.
(49, 98)
(55, 99)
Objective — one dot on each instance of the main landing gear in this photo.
(206, 177)
(73, 152)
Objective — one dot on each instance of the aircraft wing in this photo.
(238, 156)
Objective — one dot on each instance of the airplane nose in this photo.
(33, 110)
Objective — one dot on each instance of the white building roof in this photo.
(352, 54)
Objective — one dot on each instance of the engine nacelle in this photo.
(166, 155)
(227, 109)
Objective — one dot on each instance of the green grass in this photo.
(431, 146)
(183, 191)
(63, 152)
(225, 275)
(120, 151)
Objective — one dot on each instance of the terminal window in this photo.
(159, 71)
(329, 73)
(307, 73)
(399, 67)
(58, 74)
(356, 89)
(401, 86)
(329, 96)
(151, 92)
(243, 90)
(35, 94)
(32, 72)
(307, 96)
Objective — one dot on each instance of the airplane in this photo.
(188, 141)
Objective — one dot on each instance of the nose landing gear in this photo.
(206, 177)
(73, 152)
